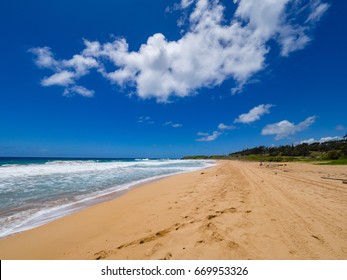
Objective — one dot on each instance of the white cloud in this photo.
(327, 139)
(322, 140)
(317, 10)
(211, 50)
(254, 114)
(67, 71)
(285, 128)
(63, 78)
(177, 125)
(79, 90)
(145, 119)
(223, 126)
(171, 124)
(79, 64)
(186, 3)
(44, 58)
(208, 137)
(308, 141)
(340, 127)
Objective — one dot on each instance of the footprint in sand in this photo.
(318, 238)
(200, 242)
(167, 256)
(233, 245)
(153, 250)
(101, 255)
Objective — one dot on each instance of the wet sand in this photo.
(235, 210)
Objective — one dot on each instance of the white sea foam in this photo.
(34, 194)
(59, 167)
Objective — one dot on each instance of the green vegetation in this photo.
(335, 162)
(196, 157)
(331, 152)
(207, 157)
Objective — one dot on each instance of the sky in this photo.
(169, 78)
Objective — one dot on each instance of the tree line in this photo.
(330, 150)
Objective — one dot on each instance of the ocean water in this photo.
(35, 191)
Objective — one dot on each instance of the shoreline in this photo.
(58, 212)
(234, 210)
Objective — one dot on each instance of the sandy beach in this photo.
(235, 210)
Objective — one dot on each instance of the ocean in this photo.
(34, 191)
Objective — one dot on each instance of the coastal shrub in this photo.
(333, 155)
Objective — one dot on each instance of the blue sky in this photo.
(169, 78)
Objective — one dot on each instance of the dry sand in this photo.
(236, 210)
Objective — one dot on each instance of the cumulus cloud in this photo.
(63, 78)
(254, 114)
(67, 72)
(171, 124)
(285, 128)
(322, 140)
(44, 58)
(211, 50)
(208, 137)
(223, 126)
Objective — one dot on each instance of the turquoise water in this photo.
(34, 191)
